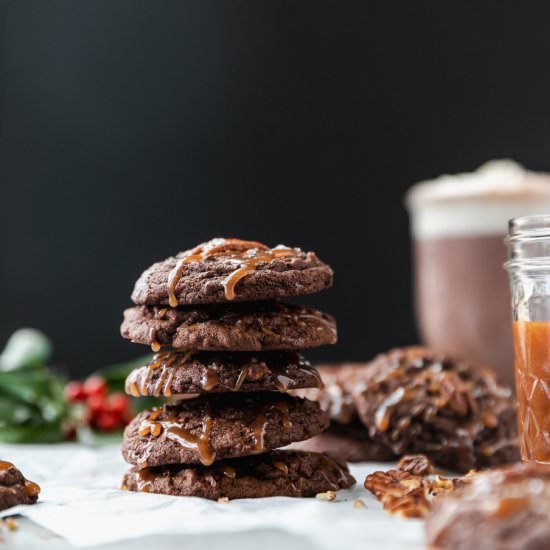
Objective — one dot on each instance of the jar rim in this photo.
(529, 226)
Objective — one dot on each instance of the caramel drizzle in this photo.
(260, 424)
(229, 471)
(247, 254)
(155, 344)
(5, 465)
(161, 313)
(383, 414)
(174, 431)
(280, 466)
(210, 378)
(164, 360)
(201, 443)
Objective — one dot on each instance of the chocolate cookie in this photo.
(223, 270)
(503, 509)
(279, 473)
(350, 443)
(220, 426)
(250, 326)
(14, 488)
(172, 372)
(415, 400)
(336, 397)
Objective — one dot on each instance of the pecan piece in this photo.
(418, 465)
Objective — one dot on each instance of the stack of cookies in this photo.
(232, 354)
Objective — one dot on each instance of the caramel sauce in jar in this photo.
(532, 365)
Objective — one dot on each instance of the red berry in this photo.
(117, 403)
(74, 391)
(96, 404)
(107, 421)
(95, 385)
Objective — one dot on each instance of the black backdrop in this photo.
(130, 130)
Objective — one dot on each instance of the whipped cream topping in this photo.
(477, 203)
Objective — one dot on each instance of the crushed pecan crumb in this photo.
(359, 504)
(11, 524)
(329, 495)
(223, 500)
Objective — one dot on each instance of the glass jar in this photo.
(528, 266)
(458, 224)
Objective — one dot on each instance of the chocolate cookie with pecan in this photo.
(279, 473)
(217, 426)
(171, 372)
(249, 326)
(14, 488)
(415, 400)
(226, 270)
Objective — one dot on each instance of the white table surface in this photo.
(72, 469)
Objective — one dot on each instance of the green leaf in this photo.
(26, 348)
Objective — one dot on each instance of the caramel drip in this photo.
(247, 254)
(249, 264)
(283, 409)
(145, 477)
(167, 390)
(155, 344)
(162, 312)
(260, 424)
(383, 414)
(164, 360)
(175, 432)
(155, 363)
(134, 390)
(282, 380)
(259, 427)
(210, 378)
(280, 466)
(241, 378)
(5, 465)
(229, 471)
(175, 276)
(201, 443)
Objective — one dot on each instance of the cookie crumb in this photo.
(223, 500)
(11, 524)
(359, 504)
(329, 495)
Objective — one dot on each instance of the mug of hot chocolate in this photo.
(458, 224)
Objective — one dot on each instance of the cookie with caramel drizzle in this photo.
(172, 372)
(219, 426)
(279, 473)
(226, 270)
(244, 326)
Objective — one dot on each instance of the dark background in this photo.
(130, 130)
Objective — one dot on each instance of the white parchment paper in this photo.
(81, 502)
